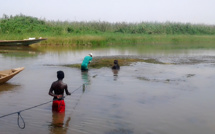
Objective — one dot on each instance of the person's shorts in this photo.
(84, 68)
(58, 106)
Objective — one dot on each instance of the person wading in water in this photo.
(116, 65)
(58, 87)
(86, 61)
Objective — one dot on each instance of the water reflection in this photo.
(7, 87)
(19, 51)
(85, 77)
(115, 74)
(57, 126)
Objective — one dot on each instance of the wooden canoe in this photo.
(24, 42)
(6, 75)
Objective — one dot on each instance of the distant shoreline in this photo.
(125, 39)
(91, 34)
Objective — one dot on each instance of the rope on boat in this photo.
(19, 112)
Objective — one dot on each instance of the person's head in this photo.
(60, 75)
(90, 54)
(115, 62)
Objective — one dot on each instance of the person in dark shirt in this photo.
(58, 87)
(116, 65)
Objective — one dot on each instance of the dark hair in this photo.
(115, 62)
(60, 75)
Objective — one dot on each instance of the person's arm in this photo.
(52, 94)
(67, 92)
(51, 91)
(90, 60)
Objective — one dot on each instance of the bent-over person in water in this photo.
(58, 87)
(86, 61)
(116, 65)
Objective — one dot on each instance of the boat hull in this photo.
(6, 75)
(19, 42)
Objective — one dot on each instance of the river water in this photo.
(144, 98)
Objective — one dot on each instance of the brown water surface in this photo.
(143, 98)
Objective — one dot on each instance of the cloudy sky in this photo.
(183, 11)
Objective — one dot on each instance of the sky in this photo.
(130, 11)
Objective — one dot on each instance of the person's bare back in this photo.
(58, 87)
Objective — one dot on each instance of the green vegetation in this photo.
(99, 62)
(103, 33)
(107, 62)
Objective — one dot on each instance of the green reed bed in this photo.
(107, 61)
(103, 33)
(119, 39)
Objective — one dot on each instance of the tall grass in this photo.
(102, 33)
